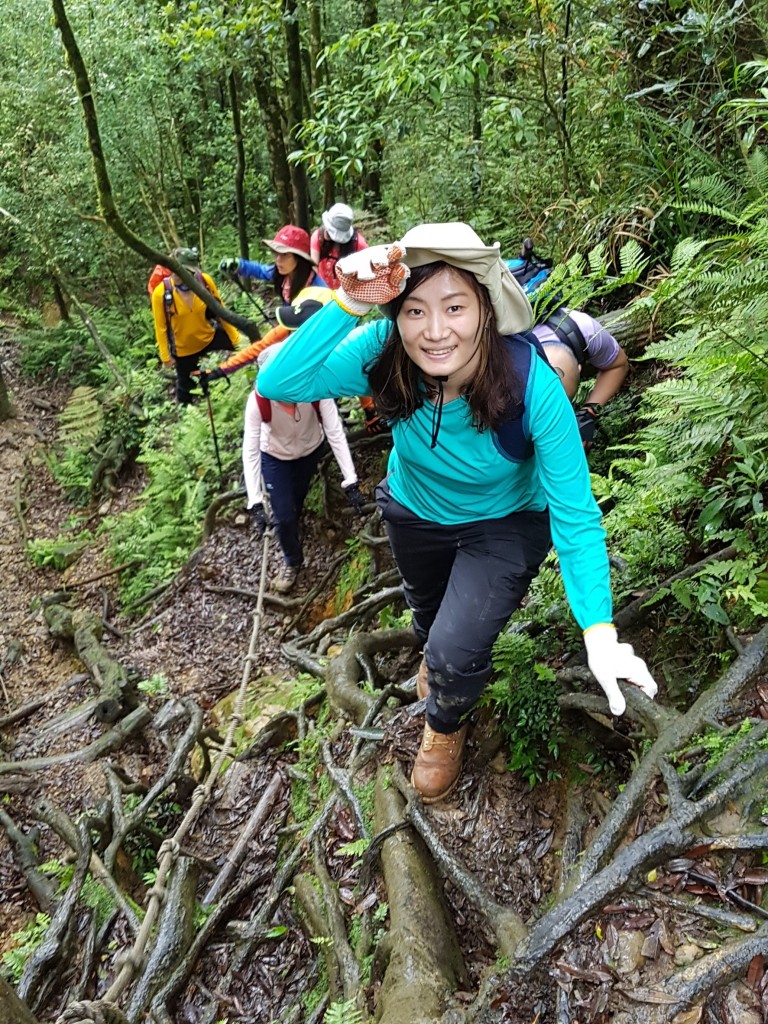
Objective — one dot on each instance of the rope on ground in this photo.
(92, 1012)
(131, 962)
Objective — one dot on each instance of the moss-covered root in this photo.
(425, 962)
(86, 630)
(12, 1009)
(344, 672)
(174, 934)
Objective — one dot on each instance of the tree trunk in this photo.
(295, 110)
(7, 411)
(269, 105)
(372, 170)
(318, 76)
(12, 1009)
(242, 223)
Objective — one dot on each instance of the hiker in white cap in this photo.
(486, 463)
(337, 237)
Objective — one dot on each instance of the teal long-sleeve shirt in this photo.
(465, 478)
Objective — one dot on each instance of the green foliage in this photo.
(344, 1013)
(311, 783)
(182, 478)
(156, 685)
(93, 894)
(354, 572)
(525, 702)
(26, 941)
(390, 619)
(60, 552)
(711, 747)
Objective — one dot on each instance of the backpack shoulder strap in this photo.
(168, 308)
(569, 333)
(512, 439)
(265, 408)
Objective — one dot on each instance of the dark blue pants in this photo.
(220, 342)
(462, 583)
(287, 481)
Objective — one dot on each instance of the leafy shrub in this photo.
(525, 703)
(26, 942)
(354, 572)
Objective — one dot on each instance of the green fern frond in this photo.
(710, 210)
(343, 1013)
(686, 251)
(716, 191)
(598, 260)
(81, 419)
(632, 259)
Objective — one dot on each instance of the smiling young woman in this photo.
(469, 513)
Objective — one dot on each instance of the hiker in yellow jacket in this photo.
(184, 328)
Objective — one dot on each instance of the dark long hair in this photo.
(345, 248)
(396, 381)
(302, 276)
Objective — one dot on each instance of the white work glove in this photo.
(371, 277)
(609, 660)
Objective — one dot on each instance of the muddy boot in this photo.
(285, 580)
(422, 683)
(438, 763)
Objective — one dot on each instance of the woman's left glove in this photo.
(609, 661)
(355, 497)
(371, 277)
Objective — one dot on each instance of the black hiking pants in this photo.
(462, 583)
(220, 342)
(287, 482)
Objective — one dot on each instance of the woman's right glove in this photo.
(229, 265)
(371, 277)
(609, 660)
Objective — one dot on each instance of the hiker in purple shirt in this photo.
(571, 340)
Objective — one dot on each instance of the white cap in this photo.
(339, 223)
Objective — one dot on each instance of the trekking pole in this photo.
(207, 392)
(251, 297)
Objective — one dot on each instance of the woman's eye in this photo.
(455, 309)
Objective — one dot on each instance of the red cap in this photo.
(290, 239)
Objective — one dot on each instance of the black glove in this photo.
(374, 424)
(355, 497)
(229, 265)
(587, 417)
(258, 518)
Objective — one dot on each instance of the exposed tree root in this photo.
(723, 965)
(507, 926)
(424, 963)
(175, 929)
(343, 672)
(105, 744)
(86, 630)
(706, 709)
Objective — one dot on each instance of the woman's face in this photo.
(439, 323)
(286, 263)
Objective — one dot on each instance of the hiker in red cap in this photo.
(292, 270)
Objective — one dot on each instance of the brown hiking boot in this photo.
(438, 763)
(422, 682)
(285, 580)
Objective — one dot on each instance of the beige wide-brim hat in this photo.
(459, 245)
